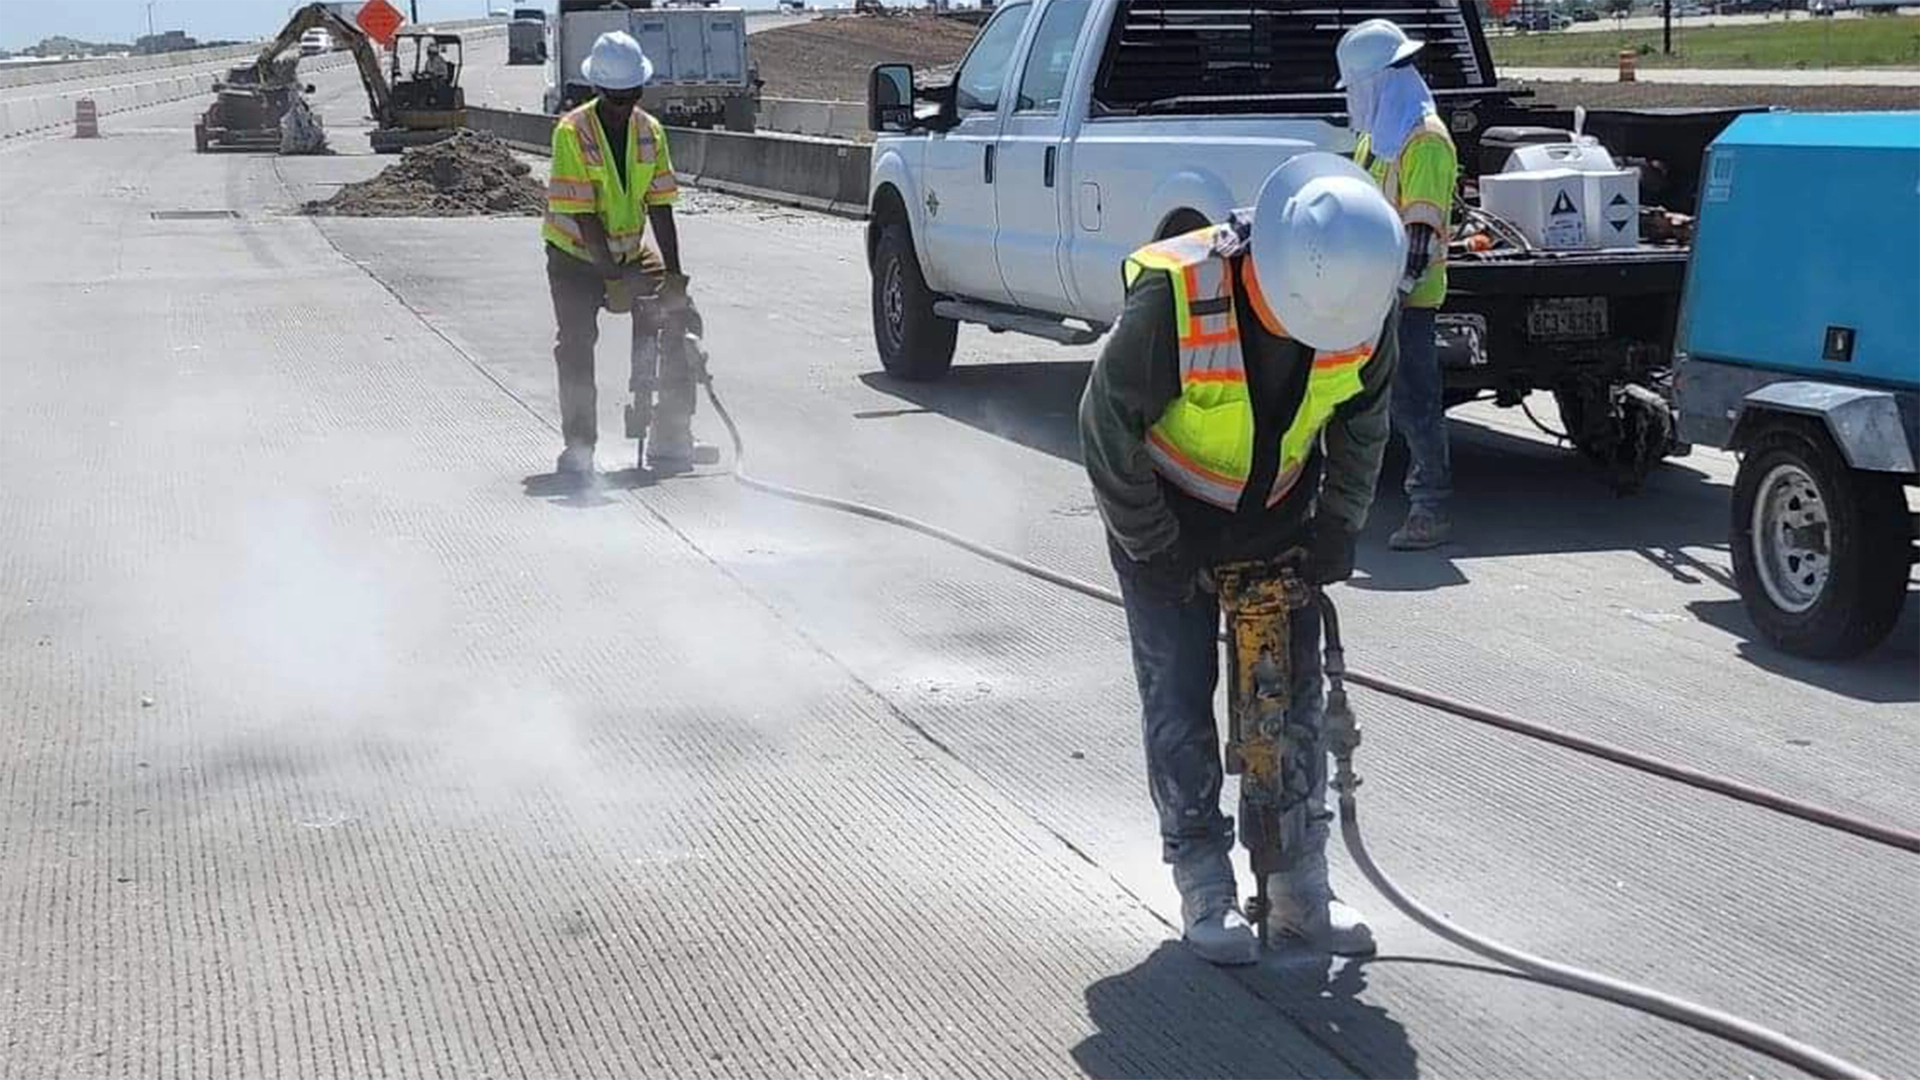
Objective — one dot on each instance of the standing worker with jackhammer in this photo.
(1238, 416)
(613, 177)
(1405, 145)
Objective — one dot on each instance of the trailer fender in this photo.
(1865, 423)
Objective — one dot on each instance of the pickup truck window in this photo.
(977, 89)
(1169, 55)
(1044, 81)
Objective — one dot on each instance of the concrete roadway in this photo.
(340, 741)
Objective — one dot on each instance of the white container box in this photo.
(1613, 208)
(1585, 154)
(1549, 206)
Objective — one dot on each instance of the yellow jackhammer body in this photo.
(1266, 747)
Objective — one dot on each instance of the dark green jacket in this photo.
(1138, 375)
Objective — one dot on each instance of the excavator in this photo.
(416, 102)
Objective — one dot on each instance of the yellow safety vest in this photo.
(1419, 183)
(1203, 442)
(583, 181)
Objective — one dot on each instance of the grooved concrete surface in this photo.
(333, 747)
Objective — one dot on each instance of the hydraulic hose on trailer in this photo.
(1755, 1037)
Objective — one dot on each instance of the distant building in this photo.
(169, 41)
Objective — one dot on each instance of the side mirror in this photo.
(890, 98)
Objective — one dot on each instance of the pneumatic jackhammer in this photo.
(664, 323)
(1268, 748)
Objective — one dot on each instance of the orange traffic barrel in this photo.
(86, 119)
(1628, 60)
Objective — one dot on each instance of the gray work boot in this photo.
(670, 442)
(1304, 907)
(1424, 529)
(1209, 915)
(575, 461)
(672, 447)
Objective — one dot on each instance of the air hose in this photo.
(1343, 737)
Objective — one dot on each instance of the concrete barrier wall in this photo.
(820, 174)
(24, 116)
(34, 74)
(105, 70)
(832, 119)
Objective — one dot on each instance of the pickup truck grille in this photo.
(1183, 49)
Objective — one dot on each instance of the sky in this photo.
(25, 22)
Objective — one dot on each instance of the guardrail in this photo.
(829, 175)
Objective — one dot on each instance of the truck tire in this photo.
(1820, 550)
(914, 343)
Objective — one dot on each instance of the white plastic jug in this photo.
(1584, 154)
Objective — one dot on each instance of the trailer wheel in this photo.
(1820, 550)
(915, 344)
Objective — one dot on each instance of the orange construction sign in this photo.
(380, 20)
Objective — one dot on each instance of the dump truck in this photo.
(701, 73)
(527, 36)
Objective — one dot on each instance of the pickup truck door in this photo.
(961, 168)
(1029, 190)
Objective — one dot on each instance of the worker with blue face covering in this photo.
(1404, 144)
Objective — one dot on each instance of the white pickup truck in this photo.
(1075, 131)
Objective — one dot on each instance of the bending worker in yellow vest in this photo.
(1239, 411)
(1405, 145)
(612, 177)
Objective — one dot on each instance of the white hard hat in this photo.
(1328, 250)
(1371, 48)
(617, 63)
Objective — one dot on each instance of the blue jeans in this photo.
(1176, 660)
(1419, 412)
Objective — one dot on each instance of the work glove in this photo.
(1420, 240)
(1330, 554)
(1171, 577)
(672, 292)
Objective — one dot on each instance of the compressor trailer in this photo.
(1800, 349)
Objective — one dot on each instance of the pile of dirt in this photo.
(1650, 95)
(827, 59)
(468, 175)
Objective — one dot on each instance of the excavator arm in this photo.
(379, 94)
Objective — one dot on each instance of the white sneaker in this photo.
(1304, 907)
(1217, 932)
(1210, 919)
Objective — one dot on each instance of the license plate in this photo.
(1567, 318)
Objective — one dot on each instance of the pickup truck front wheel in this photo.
(1820, 550)
(915, 344)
